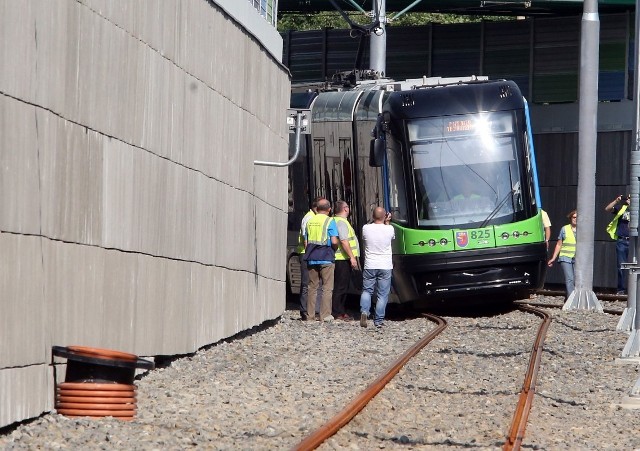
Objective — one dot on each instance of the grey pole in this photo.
(632, 348)
(583, 297)
(378, 40)
(628, 320)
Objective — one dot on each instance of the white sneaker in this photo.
(329, 318)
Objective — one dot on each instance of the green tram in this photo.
(452, 160)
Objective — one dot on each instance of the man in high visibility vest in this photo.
(565, 251)
(618, 229)
(346, 259)
(304, 271)
(321, 242)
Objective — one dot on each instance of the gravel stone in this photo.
(270, 387)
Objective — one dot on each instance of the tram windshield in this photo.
(465, 170)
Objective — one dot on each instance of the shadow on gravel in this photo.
(471, 307)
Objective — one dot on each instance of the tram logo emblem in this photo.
(462, 239)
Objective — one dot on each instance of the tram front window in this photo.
(465, 170)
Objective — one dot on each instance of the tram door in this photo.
(332, 168)
(332, 132)
(368, 186)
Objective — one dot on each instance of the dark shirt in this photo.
(622, 230)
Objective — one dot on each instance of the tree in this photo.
(332, 19)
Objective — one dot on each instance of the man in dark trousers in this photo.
(346, 259)
(618, 229)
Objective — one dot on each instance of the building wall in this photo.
(132, 216)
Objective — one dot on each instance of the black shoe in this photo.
(304, 316)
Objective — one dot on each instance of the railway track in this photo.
(271, 388)
(339, 424)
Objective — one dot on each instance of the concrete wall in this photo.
(131, 214)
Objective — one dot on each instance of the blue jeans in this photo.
(380, 280)
(567, 268)
(622, 256)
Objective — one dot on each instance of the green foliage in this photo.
(332, 19)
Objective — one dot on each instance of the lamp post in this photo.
(583, 297)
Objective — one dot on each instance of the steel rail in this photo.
(605, 296)
(519, 422)
(343, 417)
(556, 306)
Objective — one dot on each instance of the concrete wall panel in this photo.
(132, 216)
(23, 320)
(26, 392)
(71, 161)
(19, 163)
(17, 46)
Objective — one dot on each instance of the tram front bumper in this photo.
(468, 273)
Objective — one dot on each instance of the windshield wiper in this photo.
(514, 190)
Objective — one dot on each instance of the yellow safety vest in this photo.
(300, 248)
(569, 243)
(613, 225)
(353, 241)
(317, 239)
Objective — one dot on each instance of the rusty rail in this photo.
(343, 417)
(559, 306)
(519, 422)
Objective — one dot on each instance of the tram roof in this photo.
(466, 7)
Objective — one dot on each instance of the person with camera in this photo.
(618, 229)
(378, 266)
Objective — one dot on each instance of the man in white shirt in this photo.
(378, 266)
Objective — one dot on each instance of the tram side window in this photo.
(529, 167)
(397, 190)
(320, 173)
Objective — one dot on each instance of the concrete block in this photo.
(20, 161)
(23, 321)
(17, 31)
(26, 392)
(71, 180)
(74, 287)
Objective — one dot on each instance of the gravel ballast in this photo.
(270, 387)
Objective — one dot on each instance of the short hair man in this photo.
(304, 271)
(346, 259)
(321, 241)
(378, 266)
